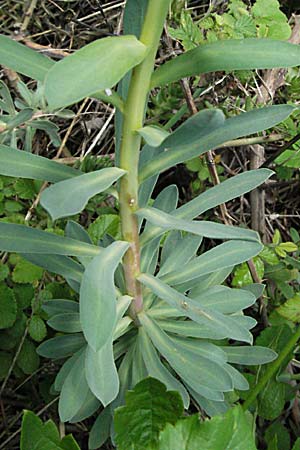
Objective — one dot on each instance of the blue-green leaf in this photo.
(23, 60)
(60, 306)
(69, 197)
(215, 196)
(192, 367)
(157, 369)
(242, 125)
(101, 373)
(23, 239)
(153, 135)
(194, 311)
(230, 54)
(249, 355)
(134, 14)
(225, 299)
(99, 65)
(66, 322)
(200, 227)
(224, 255)
(98, 296)
(20, 164)
(60, 264)
(177, 251)
(224, 192)
(74, 390)
(100, 431)
(61, 346)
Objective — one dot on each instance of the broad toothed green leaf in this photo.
(155, 406)
(231, 430)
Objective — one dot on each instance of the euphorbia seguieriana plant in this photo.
(151, 303)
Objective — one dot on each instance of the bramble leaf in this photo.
(149, 407)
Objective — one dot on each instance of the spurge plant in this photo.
(152, 303)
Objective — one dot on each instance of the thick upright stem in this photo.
(130, 147)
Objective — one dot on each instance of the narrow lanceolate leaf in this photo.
(20, 164)
(98, 65)
(134, 14)
(66, 322)
(239, 381)
(221, 193)
(177, 251)
(153, 135)
(231, 54)
(189, 328)
(101, 373)
(62, 265)
(202, 315)
(205, 349)
(98, 313)
(23, 60)
(88, 408)
(192, 368)
(200, 228)
(225, 299)
(146, 188)
(61, 346)
(194, 129)
(74, 390)
(69, 197)
(60, 306)
(23, 239)
(242, 125)
(157, 369)
(225, 255)
(249, 356)
(224, 192)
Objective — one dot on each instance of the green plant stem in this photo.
(131, 141)
(272, 369)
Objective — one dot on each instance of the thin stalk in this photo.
(135, 107)
(272, 369)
